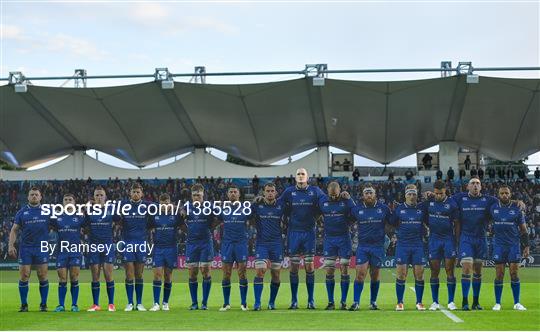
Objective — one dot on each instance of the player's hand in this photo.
(13, 252)
(428, 194)
(258, 199)
(526, 252)
(521, 205)
(345, 195)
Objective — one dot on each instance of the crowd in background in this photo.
(13, 196)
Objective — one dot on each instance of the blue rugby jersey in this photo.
(303, 207)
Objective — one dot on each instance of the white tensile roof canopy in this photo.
(262, 123)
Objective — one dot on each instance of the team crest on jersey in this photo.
(325, 204)
(447, 206)
(25, 213)
(379, 210)
(512, 212)
(495, 211)
(341, 204)
(360, 212)
(402, 212)
(483, 199)
(310, 193)
(293, 193)
(431, 204)
(418, 211)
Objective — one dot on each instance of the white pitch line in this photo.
(453, 317)
(447, 313)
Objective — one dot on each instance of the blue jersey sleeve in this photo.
(18, 218)
(521, 218)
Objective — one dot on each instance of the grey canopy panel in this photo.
(262, 123)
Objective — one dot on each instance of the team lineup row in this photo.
(456, 227)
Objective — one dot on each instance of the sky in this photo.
(43, 38)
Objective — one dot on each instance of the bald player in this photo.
(302, 201)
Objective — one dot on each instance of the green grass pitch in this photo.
(180, 318)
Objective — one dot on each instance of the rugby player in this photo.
(268, 216)
(371, 217)
(34, 228)
(509, 228)
(100, 229)
(164, 227)
(443, 214)
(336, 213)
(410, 219)
(68, 226)
(199, 246)
(135, 233)
(234, 247)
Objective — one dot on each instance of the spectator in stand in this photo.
(409, 174)
(450, 174)
(509, 173)
(391, 176)
(473, 172)
(481, 173)
(439, 174)
(537, 174)
(255, 184)
(356, 175)
(346, 165)
(467, 162)
(462, 174)
(426, 161)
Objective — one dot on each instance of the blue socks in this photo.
(129, 290)
(274, 287)
(139, 284)
(419, 290)
(226, 286)
(498, 285)
(476, 283)
(243, 291)
(294, 286)
(330, 284)
(206, 285)
(434, 282)
(345, 280)
(74, 290)
(167, 287)
(451, 285)
(157, 290)
(44, 291)
(400, 290)
(110, 291)
(95, 292)
(258, 284)
(310, 285)
(374, 288)
(193, 285)
(515, 284)
(358, 287)
(62, 291)
(465, 286)
(23, 291)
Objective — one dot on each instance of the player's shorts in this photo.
(413, 255)
(272, 251)
(337, 246)
(165, 257)
(65, 260)
(506, 253)
(101, 257)
(475, 247)
(135, 256)
(441, 248)
(299, 242)
(372, 254)
(199, 251)
(234, 252)
(32, 255)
